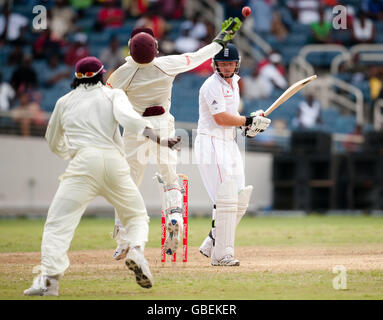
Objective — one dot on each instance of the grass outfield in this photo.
(281, 258)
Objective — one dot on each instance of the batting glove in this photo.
(255, 124)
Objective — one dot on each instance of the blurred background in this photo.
(323, 151)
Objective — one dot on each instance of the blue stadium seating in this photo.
(329, 119)
(50, 97)
(321, 59)
(185, 97)
(186, 86)
(345, 124)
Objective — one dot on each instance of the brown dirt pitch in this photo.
(253, 259)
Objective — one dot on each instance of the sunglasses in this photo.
(89, 74)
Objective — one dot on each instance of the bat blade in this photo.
(293, 89)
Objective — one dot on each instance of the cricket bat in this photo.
(293, 89)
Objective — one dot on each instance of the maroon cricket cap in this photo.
(142, 45)
(138, 30)
(89, 64)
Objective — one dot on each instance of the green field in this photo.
(281, 258)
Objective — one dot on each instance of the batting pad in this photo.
(243, 202)
(226, 211)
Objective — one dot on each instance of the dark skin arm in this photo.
(172, 143)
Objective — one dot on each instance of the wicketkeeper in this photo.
(218, 156)
(147, 80)
(84, 127)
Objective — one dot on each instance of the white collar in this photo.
(86, 86)
(235, 78)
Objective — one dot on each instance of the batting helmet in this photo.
(230, 53)
(142, 45)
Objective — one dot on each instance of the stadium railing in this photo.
(329, 89)
(367, 52)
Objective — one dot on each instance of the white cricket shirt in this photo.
(150, 84)
(216, 96)
(88, 116)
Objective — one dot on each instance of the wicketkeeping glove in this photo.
(255, 124)
(228, 30)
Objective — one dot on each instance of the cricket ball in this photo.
(246, 11)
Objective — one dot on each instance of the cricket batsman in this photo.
(218, 156)
(84, 127)
(147, 80)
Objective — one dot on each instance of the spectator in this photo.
(363, 29)
(112, 56)
(205, 69)
(262, 13)
(12, 26)
(7, 95)
(309, 113)
(135, 8)
(255, 87)
(305, 11)
(15, 58)
(28, 115)
(355, 69)
(151, 19)
(186, 43)
(46, 45)
(80, 6)
(278, 28)
(273, 72)
(210, 32)
(353, 141)
(110, 16)
(197, 28)
(233, 8)
(24, 77)
(165, 46)
(55, 73)
(321, 30)
(171, 9)
(63, 19)
(373, 8)
(329, 3)
(77, 50)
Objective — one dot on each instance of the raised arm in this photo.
(176, 64)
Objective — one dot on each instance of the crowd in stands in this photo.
(36, 64)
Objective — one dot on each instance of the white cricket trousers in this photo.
(218, 160)
(139, 149)
(92, 172)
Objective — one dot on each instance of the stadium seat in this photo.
(99, 39)
(345, 124)
(50, 97)
(329, 118)
(289, 52)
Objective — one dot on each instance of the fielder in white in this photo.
(84, 128)
(147, 80)
(218, 156)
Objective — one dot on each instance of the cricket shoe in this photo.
(174, 227)
(136, 262)
(43, 286)
(226, 261)
(206, 247)
(121, 251)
